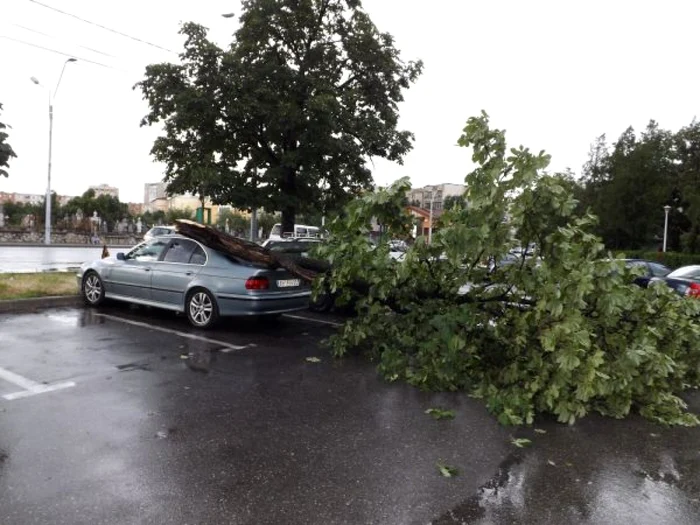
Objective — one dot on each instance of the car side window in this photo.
(179, 251)
(198, 256)
(658, 270)
(149, 251)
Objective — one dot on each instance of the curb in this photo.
(39, 303)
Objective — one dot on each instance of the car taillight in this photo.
(693, 290)
(257, 283)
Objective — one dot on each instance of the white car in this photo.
(158, 231)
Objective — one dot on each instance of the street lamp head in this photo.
(71, 60)
(35, 80)
(667, 208)
(228, 15)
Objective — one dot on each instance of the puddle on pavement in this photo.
(199, 356)
(632, 487)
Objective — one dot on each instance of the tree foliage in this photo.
(108, 208)
(288, 115)
(627, 185)
(6, 151)
(452, 201)
(562, 331)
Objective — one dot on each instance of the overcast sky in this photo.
(555, 74)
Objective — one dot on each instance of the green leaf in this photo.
(439, 413)
(446, 471)
(540, 431)
(313, 359)
(521, 442)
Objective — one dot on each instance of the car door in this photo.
(181, 263)
(131, 277)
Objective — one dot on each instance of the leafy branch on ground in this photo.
(446, 471)
(521, 442)
(560, 331)
(439, 413)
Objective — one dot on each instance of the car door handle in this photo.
(189, 273)
(146, 269)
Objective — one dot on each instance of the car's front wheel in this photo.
(93, 289)
(202, 310)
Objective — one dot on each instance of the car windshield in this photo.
(687, 272)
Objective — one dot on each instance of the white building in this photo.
(104, 189)
(421, 197)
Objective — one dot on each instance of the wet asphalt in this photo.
(169, 425)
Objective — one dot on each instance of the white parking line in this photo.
(31, 388)
(41, 389)
(321, 321)
(18, 380)
(171, 331)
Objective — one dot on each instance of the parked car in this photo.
(300, 231)
(651, 269)
(177, 273)
(685, 281)
(158, 231)
(298, 246)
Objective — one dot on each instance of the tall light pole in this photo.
(52, 97)
(667, 209)
(430, 227)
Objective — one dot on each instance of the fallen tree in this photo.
(560, 332)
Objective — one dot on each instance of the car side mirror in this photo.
(121, 256)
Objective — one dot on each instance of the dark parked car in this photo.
(651, 269)
(684, 281)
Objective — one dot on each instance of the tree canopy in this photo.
(627, 185)
(287, 116)
(555, 328)
(108, 208)
(6, 151)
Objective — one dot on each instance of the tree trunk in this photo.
(306, 269)
(289, 211)
(288, 218)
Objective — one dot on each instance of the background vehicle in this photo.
(293, 246)
(300, 230)
(157, 231)
(684, 281)
(180, 274)
(651, 269)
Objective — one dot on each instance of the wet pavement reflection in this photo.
(599, 471)
(165, 428)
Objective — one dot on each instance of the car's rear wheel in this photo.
(202, 310)
(322, 303)
(92, 289)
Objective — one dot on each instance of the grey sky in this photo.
(554, 74)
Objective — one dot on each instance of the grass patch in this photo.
(27, 285)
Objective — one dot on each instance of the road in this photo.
(42, 258)
(126, 415)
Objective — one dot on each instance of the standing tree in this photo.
(6, 151)
(290, 113)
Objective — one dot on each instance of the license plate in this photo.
(288, 283)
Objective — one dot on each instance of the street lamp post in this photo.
(52, 96)
(430, 226)
(667, 208)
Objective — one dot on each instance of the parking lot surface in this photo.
(126, 415)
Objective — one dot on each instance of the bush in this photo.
(670, 259)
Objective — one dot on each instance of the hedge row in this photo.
(670, 259)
